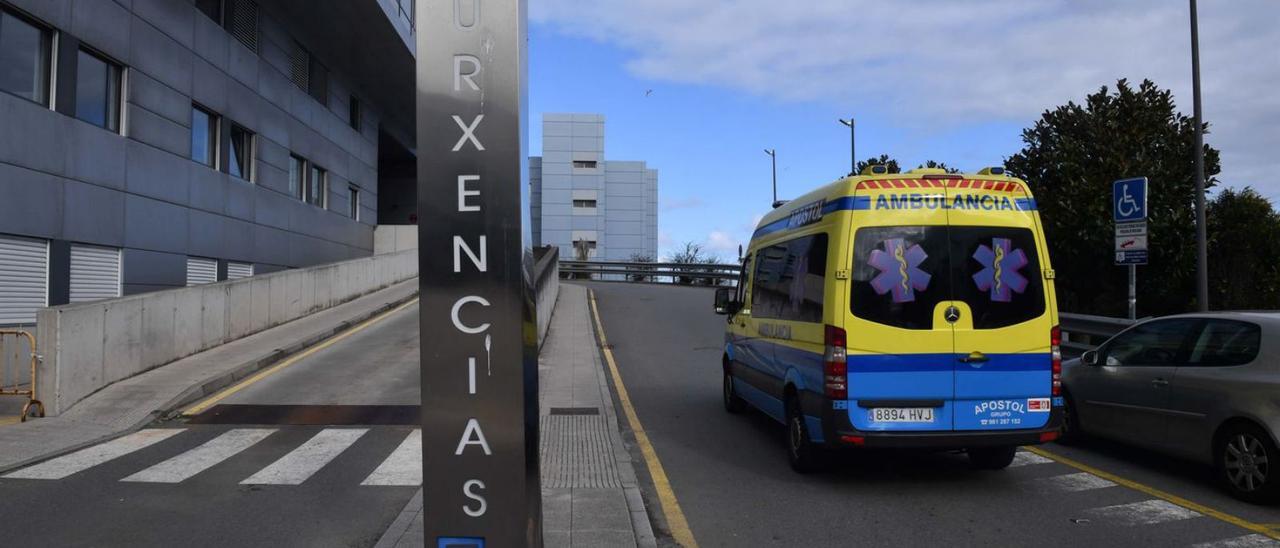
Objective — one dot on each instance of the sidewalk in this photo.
(590, 496)
(132, 403)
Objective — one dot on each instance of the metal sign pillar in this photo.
(479, 341)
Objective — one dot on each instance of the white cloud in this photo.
(722, 244)
(942, 63)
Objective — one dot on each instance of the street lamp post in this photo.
(853, 155)
(773, 155)
(1202, 252)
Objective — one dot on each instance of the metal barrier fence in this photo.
(671, 273)
(1083, 332)
(1080, 332)
(13, 357)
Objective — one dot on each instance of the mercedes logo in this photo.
(952, 314)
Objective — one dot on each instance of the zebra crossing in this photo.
(401, 468)
(1135, 514)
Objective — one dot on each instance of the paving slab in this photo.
(589, 492)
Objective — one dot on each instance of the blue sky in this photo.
(732, 78)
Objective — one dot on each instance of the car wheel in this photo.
(1071, 431)
(732, 402)
(991, 458)
(801, 453)
(1245, 454)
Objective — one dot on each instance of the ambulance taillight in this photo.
(1055, 350)
(835, 380)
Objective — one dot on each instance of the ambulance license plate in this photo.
(901, 414)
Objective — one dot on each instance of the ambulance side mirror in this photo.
(725, 303)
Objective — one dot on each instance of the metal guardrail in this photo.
(1084, 332)
(1080, 332)
(672, 273)
(10, 383)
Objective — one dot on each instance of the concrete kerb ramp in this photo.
(91, 345)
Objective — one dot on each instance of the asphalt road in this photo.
(731, 477)
(286, 469)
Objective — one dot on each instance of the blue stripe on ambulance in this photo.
(997, 391)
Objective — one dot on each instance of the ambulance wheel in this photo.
(801, 452)
(991, 458)
(733, 403)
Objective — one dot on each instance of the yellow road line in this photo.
(1259, 528)
(214, 399)
(666, 496)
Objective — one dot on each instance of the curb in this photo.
(212, 386)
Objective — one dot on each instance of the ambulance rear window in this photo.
(900, 274)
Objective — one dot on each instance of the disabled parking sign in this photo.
(1129, 199)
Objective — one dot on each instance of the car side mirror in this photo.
(724, 301)
(1089, 357)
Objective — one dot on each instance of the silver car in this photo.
(1200, 386)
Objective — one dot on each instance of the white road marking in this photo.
(307, 459)
(89, 457)
(1247, 541)
(403, 467)
(1147, 512)
(1070, 483)
(1024, 458)
(203, 457)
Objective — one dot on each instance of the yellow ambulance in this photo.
(911, 310)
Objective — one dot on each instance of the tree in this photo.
(882, 160)
(692, 254)
(1070, 158)
(1244, 251)
(939, 165)
(640, 258)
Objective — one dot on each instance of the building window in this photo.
(242, 22)
(98, 91)
(297, 177)
(585, 164)
(24, 58)
(317, 187)
(240, 163)
(204, 136)
(584, 204)
(354, 193)
(211, 8)
(354, 117)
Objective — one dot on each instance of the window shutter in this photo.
(95, 273)
(24, 275)
(242, 23)
(201, 271)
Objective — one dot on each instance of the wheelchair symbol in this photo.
(1126, 206)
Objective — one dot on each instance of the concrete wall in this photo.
(88, 346)
(546, 281)
(393, 238)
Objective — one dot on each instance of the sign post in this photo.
(479, 343)
(1129, 209)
